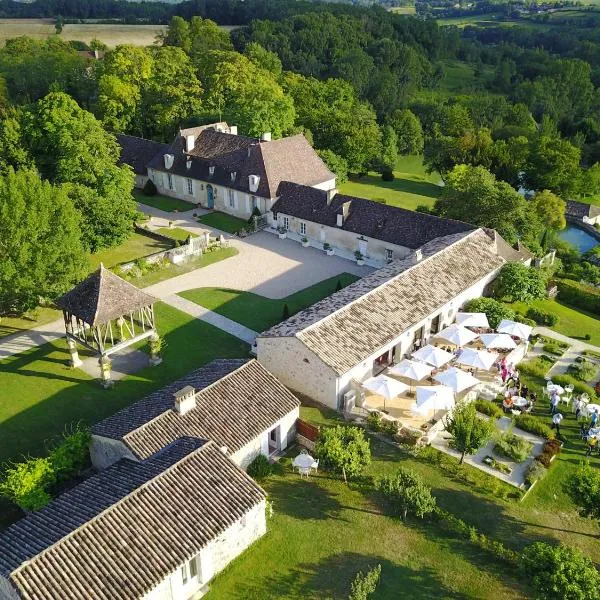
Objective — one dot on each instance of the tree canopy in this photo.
(519, 282)
(344, 449)
(469, 432)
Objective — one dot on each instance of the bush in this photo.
(389, 427)
(579, 295)
(513, 446)
(407, 493)
(344, 449)
(260, 467)
(71, 455)
(535, 472)
(584, 488)
(537, 367)
(149, 188)
(533, 425)
(388, 175)
(584, 370)
(495, 310)
(553, 348)
(517, 281)
(521, 319)
(408, 437)
(489, 408)
(365, 584)
(374, 421)
(25, 483)
(542, 317)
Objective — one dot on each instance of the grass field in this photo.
(411, 187)
(175, 233)
(222, 221)
(323, 532)
(163, 202)
(110, 34)
(136, 246)
(260, 313)
(571, 321)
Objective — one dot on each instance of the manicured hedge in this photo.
(542, 317)
(581, 296)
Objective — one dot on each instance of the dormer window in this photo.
(211, 171)
(169, 158)
(253, 181)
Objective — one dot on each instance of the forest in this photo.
(363, 84)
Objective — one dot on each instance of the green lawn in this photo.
(323, 532)
(222, 221)
(411, 187)
(163, 202)
(136, 246)
(257, 312)
(175, 233)
(571, 321)
(40, 316)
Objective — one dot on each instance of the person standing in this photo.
(554, 400)
(556, 419)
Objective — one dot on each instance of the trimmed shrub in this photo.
(260, 467)
(513, 446)
(71, 455)
(389, 427)
(149, 188)
(407, 493)
(583, 370)
(25, 483)
(388, 175)
(521, 319)
(489, 408)
(542, 317)
(579, 295)
(535, 472)
(374, 421)
(536, 368)
(533, 425)
(553, 348)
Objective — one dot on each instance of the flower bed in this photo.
(495, 464)
(513, 447)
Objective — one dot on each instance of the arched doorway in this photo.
(210, 197)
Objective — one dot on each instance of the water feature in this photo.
(579, 238)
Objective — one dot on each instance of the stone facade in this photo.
(212, 559)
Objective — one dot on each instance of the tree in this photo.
(336, 164)
(408, 493)
(178, 34)
(474, 195)
(469, 432)
(408, 131)
(389, 149)
(41, 254)
(69, 146)
(550, 209)
(344, 449)
(365, 584)
(12, 150)
(495, 310)
(584, 489)
(206, 36)
(265, 59)
(518, 282)
(560, 572)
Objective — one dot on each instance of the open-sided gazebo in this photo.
(105, 314)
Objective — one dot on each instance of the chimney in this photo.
(233, 130)
(188, 164)
(266, 136)
(184, 400)
(418, 255)
(211, 171)
(169, 158)
(346, 209)
(330, 194)
(253, 181)
(189, 143)
(340, 220)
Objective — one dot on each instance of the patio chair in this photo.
(569, 388)
(315, 467)
(566, 398)
(515, 412)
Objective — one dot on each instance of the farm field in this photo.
(110, 34)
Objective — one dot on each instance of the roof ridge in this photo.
(266, 169)
(112, 506)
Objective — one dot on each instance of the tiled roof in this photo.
(379, 221)
(138, 152)
(354, 323)
(236, 157)
(236, 401)
(121, 532)
(581, 209)
(102, 297)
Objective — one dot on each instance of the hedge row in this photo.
(581, 296)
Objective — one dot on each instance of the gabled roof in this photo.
(348, 327)
(236, 401)
(581, 209)
(102, 297)
(236, 157)
(383, 222)
(121, 532)
(138, 152)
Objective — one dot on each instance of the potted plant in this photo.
(360, 259)
(282, 232)
(328, 249)
(305, 242)
(156, 345)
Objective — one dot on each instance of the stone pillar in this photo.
(75, 360)
(105, 365)
(207, 238)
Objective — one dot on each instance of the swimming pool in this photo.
(579, 238)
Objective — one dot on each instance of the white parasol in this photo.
(385, 386)
(457, 379)
(432, 355)
(457, 335)
(472, 319)
(432, 398)
(519, 330)
(497, 340)
(479, 359)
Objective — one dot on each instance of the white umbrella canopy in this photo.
(303, 461)
(471, 319)
(519, 330)
(411, 369)
(433, 397)
(497, 340)
(479, 359)
(385, 386)
(457, 335)
(432, 355)
(457, 379)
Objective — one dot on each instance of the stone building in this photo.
(582, 212)
(158, 529)
(236, 403)
(376, 321)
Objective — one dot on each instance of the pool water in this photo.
(582, 240)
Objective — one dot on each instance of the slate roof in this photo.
(379, 221)
(235, 157)
(346, 328)
(579, 210)
(138, 152)
(236, 401)
(121, 532)
(102, 297)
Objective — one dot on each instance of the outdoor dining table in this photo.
(553, 387)
(590, 408)
(519, 401)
